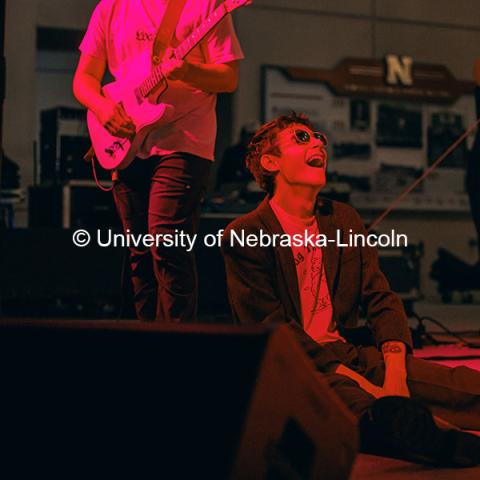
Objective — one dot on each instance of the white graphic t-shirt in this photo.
(121, 30)
(312, 282)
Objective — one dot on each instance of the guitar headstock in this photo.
(231, 5)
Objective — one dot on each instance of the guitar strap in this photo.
(166, 30)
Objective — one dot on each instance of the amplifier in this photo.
(63, 143)
(76, 204)
(401, 267)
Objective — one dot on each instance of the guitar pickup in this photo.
(139, 96)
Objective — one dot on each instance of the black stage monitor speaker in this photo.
(63, 143)
(72, 205)
(103, 399)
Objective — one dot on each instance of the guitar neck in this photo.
(200, 33)
(185, 47)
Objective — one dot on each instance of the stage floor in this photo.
(371, 467)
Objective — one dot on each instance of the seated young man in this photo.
(319, 293)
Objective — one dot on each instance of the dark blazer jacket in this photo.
(262, 281)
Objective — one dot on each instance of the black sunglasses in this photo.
(302, 137)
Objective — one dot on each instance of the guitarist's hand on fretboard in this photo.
(173, 68)
(114, 118)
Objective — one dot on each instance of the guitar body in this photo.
(115, 152)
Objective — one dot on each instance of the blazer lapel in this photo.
(284, 254)
(331, 251)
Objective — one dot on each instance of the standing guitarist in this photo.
(161, 190)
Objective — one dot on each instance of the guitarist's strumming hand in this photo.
(115, 119)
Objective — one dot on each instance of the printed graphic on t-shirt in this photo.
(315, 271)
(315, 302)
(299, 258)
(310, 274)
(143, 36)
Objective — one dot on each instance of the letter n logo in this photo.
(399, 70)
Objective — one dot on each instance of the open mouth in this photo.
(316, 161)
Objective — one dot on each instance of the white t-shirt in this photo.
(120, 30)
(312, 281)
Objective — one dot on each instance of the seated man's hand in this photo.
(362, 382)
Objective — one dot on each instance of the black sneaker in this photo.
(404, 428)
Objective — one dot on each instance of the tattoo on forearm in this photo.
(392, 347)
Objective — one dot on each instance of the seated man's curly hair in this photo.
(264, 142)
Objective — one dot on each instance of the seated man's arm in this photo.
(362, 382)
(387, 318)
(395, 382)
(383, 308)
(253, 297)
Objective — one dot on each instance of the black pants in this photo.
(451, 393)
(161, 195)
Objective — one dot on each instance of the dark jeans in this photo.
(451, 393)
(160, 195)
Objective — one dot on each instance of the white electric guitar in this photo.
(139, 94)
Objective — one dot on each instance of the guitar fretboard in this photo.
(149, 84)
